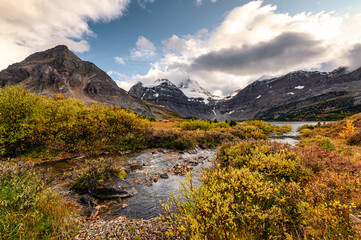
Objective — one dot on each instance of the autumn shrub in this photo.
(265, 127)
(318, 159)
(306, 132)
(264, 190)
(354, 139)
(251, 196)
(348, 129)
(273, 159)
(28, 210)
(202, 125)
(28, 122)
(17, 109)
(243, 131)
(213, 138)
(279, 130)
(96, 169)
(172, 139)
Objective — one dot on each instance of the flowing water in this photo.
(151, 189)
(153, 162)
(292, 136)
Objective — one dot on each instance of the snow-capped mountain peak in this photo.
(192, 90)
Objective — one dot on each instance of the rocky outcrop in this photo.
(295, 96)
(117, 188)
(58, 70)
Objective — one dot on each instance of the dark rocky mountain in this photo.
(58, 70)
(298, 95)
(164, 93)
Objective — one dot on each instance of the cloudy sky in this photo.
(223, 44)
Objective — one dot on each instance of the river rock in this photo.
(111, 189)
(164, 175)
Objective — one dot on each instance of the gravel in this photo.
(123, 228)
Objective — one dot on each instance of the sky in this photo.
(222, 44)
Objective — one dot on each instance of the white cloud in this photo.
(27, 26)
(254, 40)
(144, 51)
(199, 2)
(119, 60)
(144, 43)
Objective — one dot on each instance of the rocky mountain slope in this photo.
(297, 95)
(58, 70)
(164, 93)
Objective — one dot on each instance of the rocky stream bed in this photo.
(155, 174)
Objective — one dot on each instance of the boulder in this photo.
(111, 189)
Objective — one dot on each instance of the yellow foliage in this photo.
(59, 96)
(348, 130)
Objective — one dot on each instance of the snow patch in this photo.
(259, 97)
(191, 89)
(300, 87)
(231, 112)
(215, 114)
(290, 93)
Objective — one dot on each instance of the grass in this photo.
(28, 210)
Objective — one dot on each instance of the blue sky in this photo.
(223, 44)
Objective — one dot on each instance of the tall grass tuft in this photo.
(28, 210)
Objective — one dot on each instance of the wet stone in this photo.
(164, 176)
(114, 189)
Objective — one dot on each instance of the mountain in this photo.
(164, 93)
(58, 70)
(300, 95)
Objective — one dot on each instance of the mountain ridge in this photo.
(59, 70)
(287, 97)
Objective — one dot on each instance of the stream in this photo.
(150, 164)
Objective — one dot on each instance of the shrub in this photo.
(247, 132)
(29, 122)
(318, 159)
(265, 190)
(273, 159)
(151, 119)
(172, 139)
(348, 130)
(326, 144)
(305, 132)
(212, 138)
(28, 210)
(279, 130)
(354, 139)
(59, 96)
(233, 123)
(98, 169)
(193, 125)
(265, 127)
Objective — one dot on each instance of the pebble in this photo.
(123, 228)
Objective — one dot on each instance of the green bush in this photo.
(28, 210)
